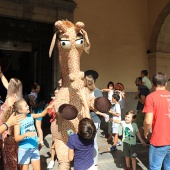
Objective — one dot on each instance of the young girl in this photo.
(26, 136)
(130, 130)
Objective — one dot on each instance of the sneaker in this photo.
(113, 148)
(128, 168)
(50, 165)
(119, 144)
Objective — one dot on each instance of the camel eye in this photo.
(79, 42)
(66, 44)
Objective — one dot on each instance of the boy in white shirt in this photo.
(116, 113)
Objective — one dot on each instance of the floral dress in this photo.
(9, 145)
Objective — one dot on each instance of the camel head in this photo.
(70, 36)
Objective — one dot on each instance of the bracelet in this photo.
(6, 126)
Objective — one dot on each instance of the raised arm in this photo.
(42, 114)
(13, 120)
(115, 120)
(105, 90)
(114, 114)
(3, 79)
(100, 113)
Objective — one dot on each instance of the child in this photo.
(52, 114)
(145, 82)
(110, 89)
(119, 88)
(81, 145)
(130, 130)
(26, 136)
(145, 79)
(33, 94)
(116, 114)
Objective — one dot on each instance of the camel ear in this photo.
(52, 44)
(60, 26)
(79, 26)
(86, 41)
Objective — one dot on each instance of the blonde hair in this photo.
(15, 86)
(89, 82)
(16, 106)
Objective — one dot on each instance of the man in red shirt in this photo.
(157, 118)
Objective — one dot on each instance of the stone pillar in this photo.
(159, 62)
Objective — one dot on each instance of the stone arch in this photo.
(162, 20)
(159, 47)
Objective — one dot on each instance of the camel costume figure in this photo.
(72, 40)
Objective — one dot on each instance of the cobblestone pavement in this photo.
(107, 160)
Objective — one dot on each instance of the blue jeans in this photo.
(158, 156)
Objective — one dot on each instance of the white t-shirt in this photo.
(129, 132)
(116, 109)
(110, 95)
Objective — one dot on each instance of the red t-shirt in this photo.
(158, 103)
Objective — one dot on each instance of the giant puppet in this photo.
(71, 40)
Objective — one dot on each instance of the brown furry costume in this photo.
(72, 40)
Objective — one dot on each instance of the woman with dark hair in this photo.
(38, 107)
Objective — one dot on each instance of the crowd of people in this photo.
(20, 142)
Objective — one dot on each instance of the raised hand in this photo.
(14, 119)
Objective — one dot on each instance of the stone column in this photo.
(159, 62)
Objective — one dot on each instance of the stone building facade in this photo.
(126, 37)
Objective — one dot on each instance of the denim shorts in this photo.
(25, 156)
(158, 156)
